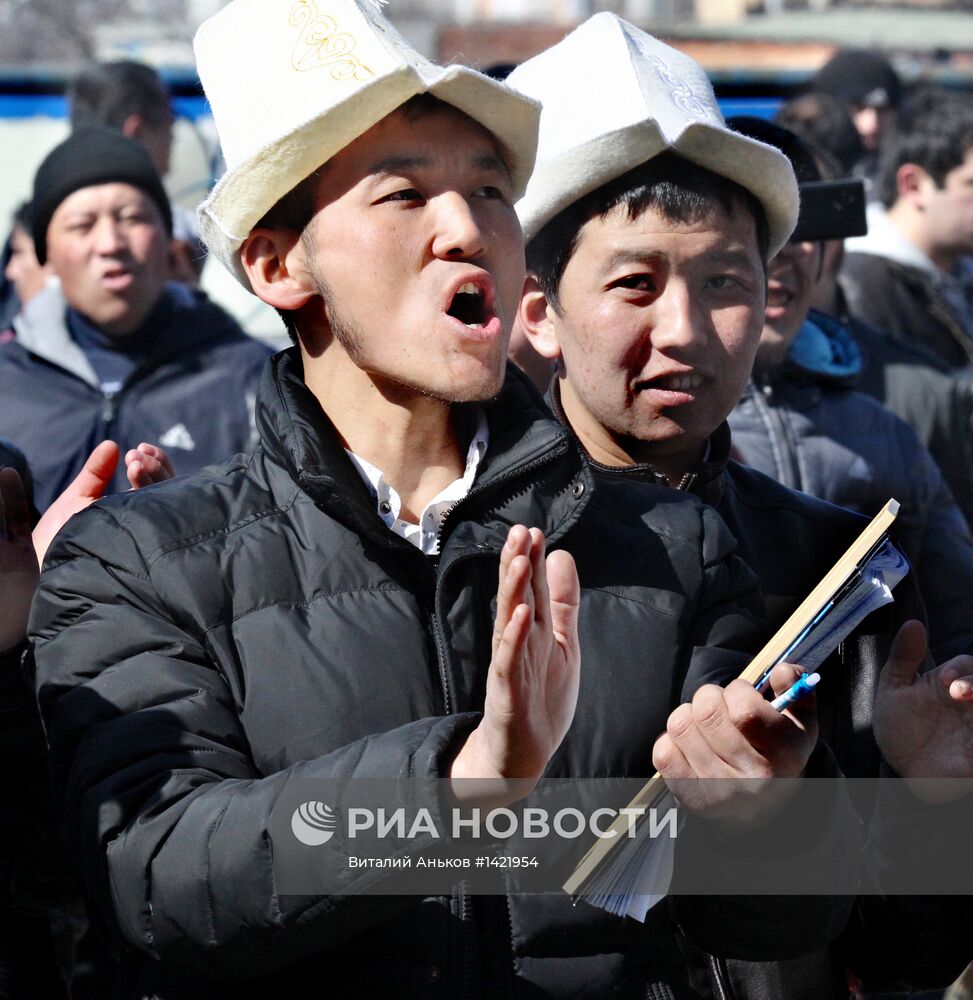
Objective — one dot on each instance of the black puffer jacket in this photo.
(791, 539)
(34, 873)
(200, 643)
(194, 396)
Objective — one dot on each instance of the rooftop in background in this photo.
(893, 29)
(782, 49)
(43, 42)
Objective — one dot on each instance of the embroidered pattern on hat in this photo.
(321, 44)
(680, 91)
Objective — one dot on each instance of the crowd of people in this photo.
(586, 393)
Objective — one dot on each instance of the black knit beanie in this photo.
(91, 155)
(859, 76)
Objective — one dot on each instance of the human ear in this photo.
(536, 317)
(275, 263)
(132, 126)
(911, 182)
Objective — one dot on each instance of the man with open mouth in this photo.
(412, 576)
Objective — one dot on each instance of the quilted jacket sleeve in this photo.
(162, 803)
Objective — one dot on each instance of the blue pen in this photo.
(802, 686)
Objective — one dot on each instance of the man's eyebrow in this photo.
(621, 258)
(490, 161)
(734, 258)
(720, 258)
(403, 164)
(399, 164)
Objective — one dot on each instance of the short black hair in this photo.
(934, 130)
(106, 93)
(677, 188)
(23, 217)
(296, 208)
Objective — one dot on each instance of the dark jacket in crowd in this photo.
(258, 623)
(933, 397)
(791, 540)
(194, 395)
(11, 457)
(893, 944)
(35, 876)
(903, 299)
(806, 427)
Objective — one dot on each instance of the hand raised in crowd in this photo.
(532, 683)
(924, 722)
(721, 754)
(18, 567)
(147, 464)
(144, 465)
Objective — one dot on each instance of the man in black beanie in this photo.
(117, 351)
(868, 85)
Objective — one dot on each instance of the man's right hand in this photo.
(532, 684)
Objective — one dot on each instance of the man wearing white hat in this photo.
(322, 608)
(649, 227)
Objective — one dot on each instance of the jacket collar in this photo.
(825, 351)
(42, 329)
(704, 481)
(187, 321)
(298, 435)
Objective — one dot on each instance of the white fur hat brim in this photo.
(635, 99)
(271, 145)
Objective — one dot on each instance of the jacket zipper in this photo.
(109, 409)
(499, 481)
(439, 642)
(784, 452)
(466, 944)
(465, 905)
(437, 632)
(719, 979)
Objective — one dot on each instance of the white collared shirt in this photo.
(424, 535)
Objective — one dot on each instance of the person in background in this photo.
(40, 900)
(116, 350)
(825, 122)
(932, 397)
(867, 84)
(910, 275)
(802, 422)
(25, 276)
(131, 97)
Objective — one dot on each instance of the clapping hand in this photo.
(532, 683)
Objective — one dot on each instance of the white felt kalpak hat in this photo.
(292, 82)
(614, 97)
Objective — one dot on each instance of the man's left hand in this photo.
(924, 722)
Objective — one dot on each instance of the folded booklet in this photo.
(611, 873)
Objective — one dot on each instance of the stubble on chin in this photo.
(352, 342)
